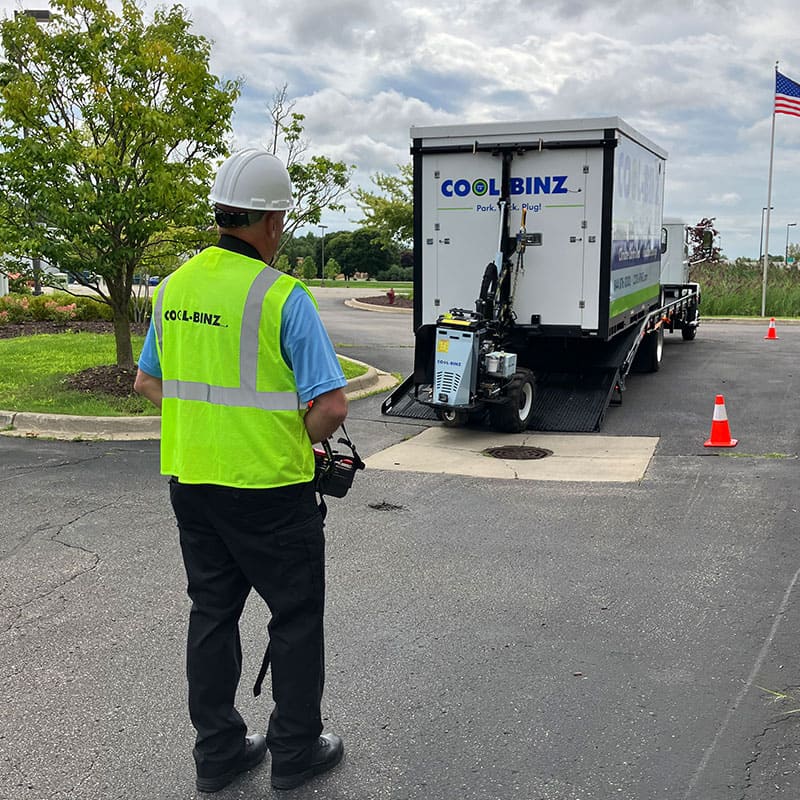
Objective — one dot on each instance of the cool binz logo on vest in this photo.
(198, 317)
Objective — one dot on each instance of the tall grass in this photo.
(734, 289)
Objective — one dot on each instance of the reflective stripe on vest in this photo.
(245, 395)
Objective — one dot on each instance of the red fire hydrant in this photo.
(390, 295)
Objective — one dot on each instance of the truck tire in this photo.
(514, 415)
(650, 352)
(453, 418)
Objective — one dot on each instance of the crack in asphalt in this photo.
(734, 707)
(94, 561)
(758, 752)
(750, 763)
(21, 472)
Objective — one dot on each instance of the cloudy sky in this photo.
(696, 77)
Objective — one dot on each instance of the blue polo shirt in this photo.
(305, 346)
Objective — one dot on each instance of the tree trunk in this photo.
(122, 338)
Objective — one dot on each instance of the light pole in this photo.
(41, 16)
(761, 240)
(322, 268)
(786, 252)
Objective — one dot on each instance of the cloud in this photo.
(695, 77)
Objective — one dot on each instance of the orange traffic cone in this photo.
(772, 333)
(720, 431)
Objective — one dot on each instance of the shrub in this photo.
(59, 307)
(16, 307)
(395, 273)
(39, 307)
(62, 313)
(89, 310)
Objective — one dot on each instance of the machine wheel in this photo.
(651, 350)
(453, 419)
(514, 415)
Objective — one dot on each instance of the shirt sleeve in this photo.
(308, 349)
(148, 360)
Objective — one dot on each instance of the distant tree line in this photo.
(348, 252)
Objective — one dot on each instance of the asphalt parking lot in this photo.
(491, 639)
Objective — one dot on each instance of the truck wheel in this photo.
(452, 418)
(648, 356)
(514, 415)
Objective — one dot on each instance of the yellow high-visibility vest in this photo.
(230, 415)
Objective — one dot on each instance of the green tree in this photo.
(359, 251)
(159, 260)
(309, 268)
(332, 268)
(283, 264)
(318, 182)
(301, 246)
(109, 130)
(390, 213)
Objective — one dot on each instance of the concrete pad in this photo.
(576, 457)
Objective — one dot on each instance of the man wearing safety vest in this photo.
(246, 378)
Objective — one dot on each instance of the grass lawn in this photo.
(34, 372)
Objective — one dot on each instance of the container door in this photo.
(554, 187)
(460, 226)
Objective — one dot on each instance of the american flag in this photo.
(787, 95)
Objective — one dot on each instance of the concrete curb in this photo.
(71, 428)
(353, 303)
(749, 320)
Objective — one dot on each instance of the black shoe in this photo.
(327, 753)
(255, 748)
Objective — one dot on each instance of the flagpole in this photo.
(769, 205)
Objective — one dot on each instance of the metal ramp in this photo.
(402, 403)
(566, 402)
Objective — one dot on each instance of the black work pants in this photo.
(271, 540)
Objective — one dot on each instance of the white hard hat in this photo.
(255, 180)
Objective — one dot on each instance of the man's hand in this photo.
(327, 413)
(148, 386)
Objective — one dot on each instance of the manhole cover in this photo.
(517, 452)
